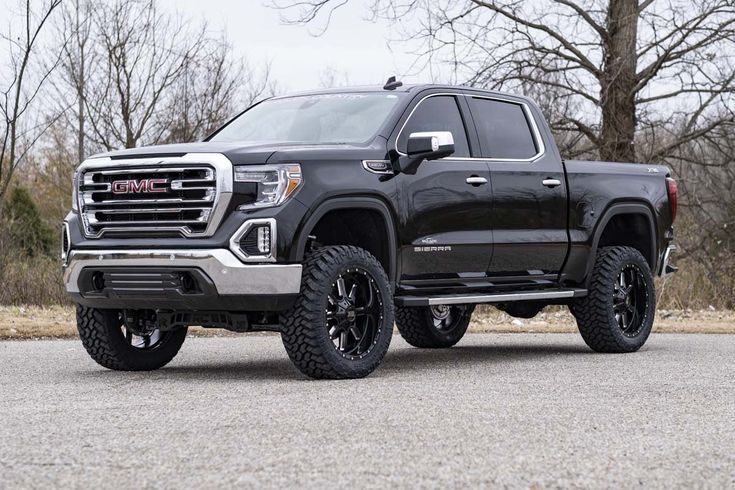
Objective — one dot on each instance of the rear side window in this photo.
(503, 129)
(439, 113)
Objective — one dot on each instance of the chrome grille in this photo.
(161, 197)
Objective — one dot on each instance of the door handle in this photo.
(551, 182)
(475, 180)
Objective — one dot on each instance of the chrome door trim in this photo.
(541, 147)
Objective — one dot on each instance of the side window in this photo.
(503, 128)
(439, 113)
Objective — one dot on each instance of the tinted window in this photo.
(312, 119)
(439, 113)
(503, 129)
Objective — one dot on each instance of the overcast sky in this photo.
(352, 47)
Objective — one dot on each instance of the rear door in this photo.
(445, 232)
(529, 209)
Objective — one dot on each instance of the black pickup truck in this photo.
(329, 216)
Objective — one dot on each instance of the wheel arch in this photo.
(369, 204)
(644, 240)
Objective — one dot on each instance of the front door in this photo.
(529, 210)
(445, 206)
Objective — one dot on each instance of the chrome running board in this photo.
(455, 299)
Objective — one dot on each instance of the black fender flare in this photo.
(361, 202)
(616, 210)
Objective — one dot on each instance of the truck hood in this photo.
(254, 153)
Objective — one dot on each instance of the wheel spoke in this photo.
(342, 340)
(333, 332)
(370, 299)
(356, 332)
(341, 287)
(332, 300)
(353, 292)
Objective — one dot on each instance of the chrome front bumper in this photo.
(229, 275)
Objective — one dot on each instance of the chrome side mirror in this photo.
(429, 145)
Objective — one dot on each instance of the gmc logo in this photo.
(139, 186)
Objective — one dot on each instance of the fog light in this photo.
(264, 239)
(254, 241)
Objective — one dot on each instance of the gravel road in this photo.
(515, 410)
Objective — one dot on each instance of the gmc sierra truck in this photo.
(330, 216)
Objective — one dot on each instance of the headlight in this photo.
(276, 183)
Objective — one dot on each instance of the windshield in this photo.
(323, 118)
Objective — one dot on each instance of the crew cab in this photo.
(328, 216)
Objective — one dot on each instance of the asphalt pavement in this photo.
(508, 410)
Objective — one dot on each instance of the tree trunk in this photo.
(617, 82)
(81, 86)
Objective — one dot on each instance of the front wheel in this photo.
(433, 327)
(342, 322)
(617, 313)
(113, 345)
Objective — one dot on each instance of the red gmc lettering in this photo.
(139, 186)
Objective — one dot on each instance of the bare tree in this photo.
(212, 89)
(143, 52)
(626, 64)
(330, 77)
(142, 76)
(77, 63)
(23, 79)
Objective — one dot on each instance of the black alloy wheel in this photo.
(447, 318)
(630, 300)
(354, 313)
(433, 327)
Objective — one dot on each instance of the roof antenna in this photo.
(391, 84)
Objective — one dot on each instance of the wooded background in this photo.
(622, 80)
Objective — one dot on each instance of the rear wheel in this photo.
(342, 322)
(126, 346)
(435, 326)
(617, 314)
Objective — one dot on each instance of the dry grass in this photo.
(32, 322)
(32, 281)
(559, 320)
